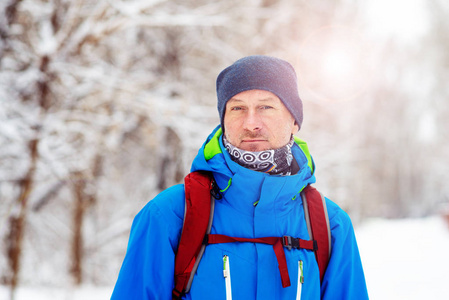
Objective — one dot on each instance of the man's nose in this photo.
(253, 121)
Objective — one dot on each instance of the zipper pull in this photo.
(300, 279)
(227, 277)
(225, 266)
(301, 272)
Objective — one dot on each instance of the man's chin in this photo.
(255, 146)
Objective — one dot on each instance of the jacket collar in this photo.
(250, 187)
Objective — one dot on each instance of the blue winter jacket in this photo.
(254, 204)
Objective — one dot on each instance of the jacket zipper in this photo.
(227, 277)
(300, 279)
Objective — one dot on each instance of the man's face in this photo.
(257, 120)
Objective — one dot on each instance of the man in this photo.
(260, 169)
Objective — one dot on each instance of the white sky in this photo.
(340, 60)
(402, 19)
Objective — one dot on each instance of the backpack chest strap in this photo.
(278, 244)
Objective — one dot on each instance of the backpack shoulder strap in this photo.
(197, 222)
(317, 220)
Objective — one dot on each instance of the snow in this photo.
(46, 293)
(403, 259)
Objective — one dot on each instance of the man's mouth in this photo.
(253, 140)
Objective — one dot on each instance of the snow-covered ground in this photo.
(403, 259)
(36, 293)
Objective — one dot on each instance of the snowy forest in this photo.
(104, 103)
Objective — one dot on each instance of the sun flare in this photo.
(333, 63)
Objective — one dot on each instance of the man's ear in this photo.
(295, 128)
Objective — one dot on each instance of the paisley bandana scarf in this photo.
(273, 162)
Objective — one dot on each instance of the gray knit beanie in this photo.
(260, 72)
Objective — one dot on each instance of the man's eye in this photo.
(267, 107)
(236, 108)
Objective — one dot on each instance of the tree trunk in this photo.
(14, 239)
(76, 270)
(83, 200)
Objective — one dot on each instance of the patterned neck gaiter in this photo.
(273, 162)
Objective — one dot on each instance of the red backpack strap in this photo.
(197, 220)
(317, 220)
(278, 246)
